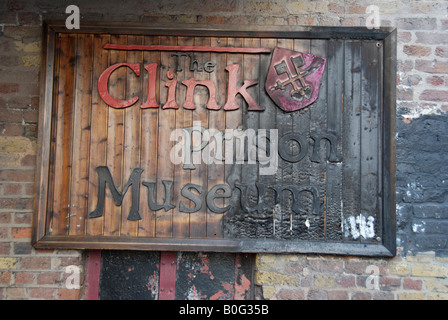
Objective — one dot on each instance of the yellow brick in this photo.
(324, 281)
(428, 270)
(266, 261)
(8, 263)
(438, 296)
(268, 292)
(307, 6)
(437, 285)
(422, 257)
(274, 278)
(31, 61)
(31, 47)
(411, 296)
(14, 149)
(401, 269)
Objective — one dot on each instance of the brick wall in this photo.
(420, 269)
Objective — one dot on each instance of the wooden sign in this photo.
(217, 139)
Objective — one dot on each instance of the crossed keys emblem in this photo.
(303, 81)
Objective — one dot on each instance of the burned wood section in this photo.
(202, 140)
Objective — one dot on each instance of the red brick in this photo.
(69, 294)
(5, 278)
(24, 278)
(431, 66)
(406, 94)
(21, 232)
(419, 51)
(35, 263)
(15, 293)
(29, 160)
(23, 218)
(338, 295)
(411, 284)
(355, 8)
(362, 296)
(7, 17)
(442, 52)
(15, 5)
(22, 32)
(11, 129)
(12, 175)
(405, 66)
(404, 36)
(291, 294)
(49, 278)
(4, 233)
(42, 293)
(388, 283)
(5, 217)
(28, 18)
(345, 281)
(30, 116)
(9, 61)
(435, 80)
(434, 95)
(12, 189)
(9, 87)
(5, 248)
(16, 203)
(416, 23)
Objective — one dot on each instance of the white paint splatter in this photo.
(359, 226)
(307, 223)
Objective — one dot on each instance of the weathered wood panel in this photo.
(259, 178)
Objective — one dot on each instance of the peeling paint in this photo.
(242, 289)
(153, 285)
(193, 294)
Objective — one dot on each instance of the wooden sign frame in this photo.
(366, 64)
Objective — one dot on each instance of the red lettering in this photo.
(151, 100)
(103, 83)
(191, 84)
(232, 91)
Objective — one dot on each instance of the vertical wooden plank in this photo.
(370, 106)
(198, 219)
(268, 121)
(233, 170)
(63, 157)
(351, 144)
(217, 121)
(51, 166)
(149, 138)
(184, 119)
(132, 138)
(81, 134)
(98, 131)
(251, 123)
(335, 95)
(115, 136)
(301, 126)
(318, 124)
(283, 213)
(167, 123)
(42, 212)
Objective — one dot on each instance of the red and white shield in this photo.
(294, 78)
